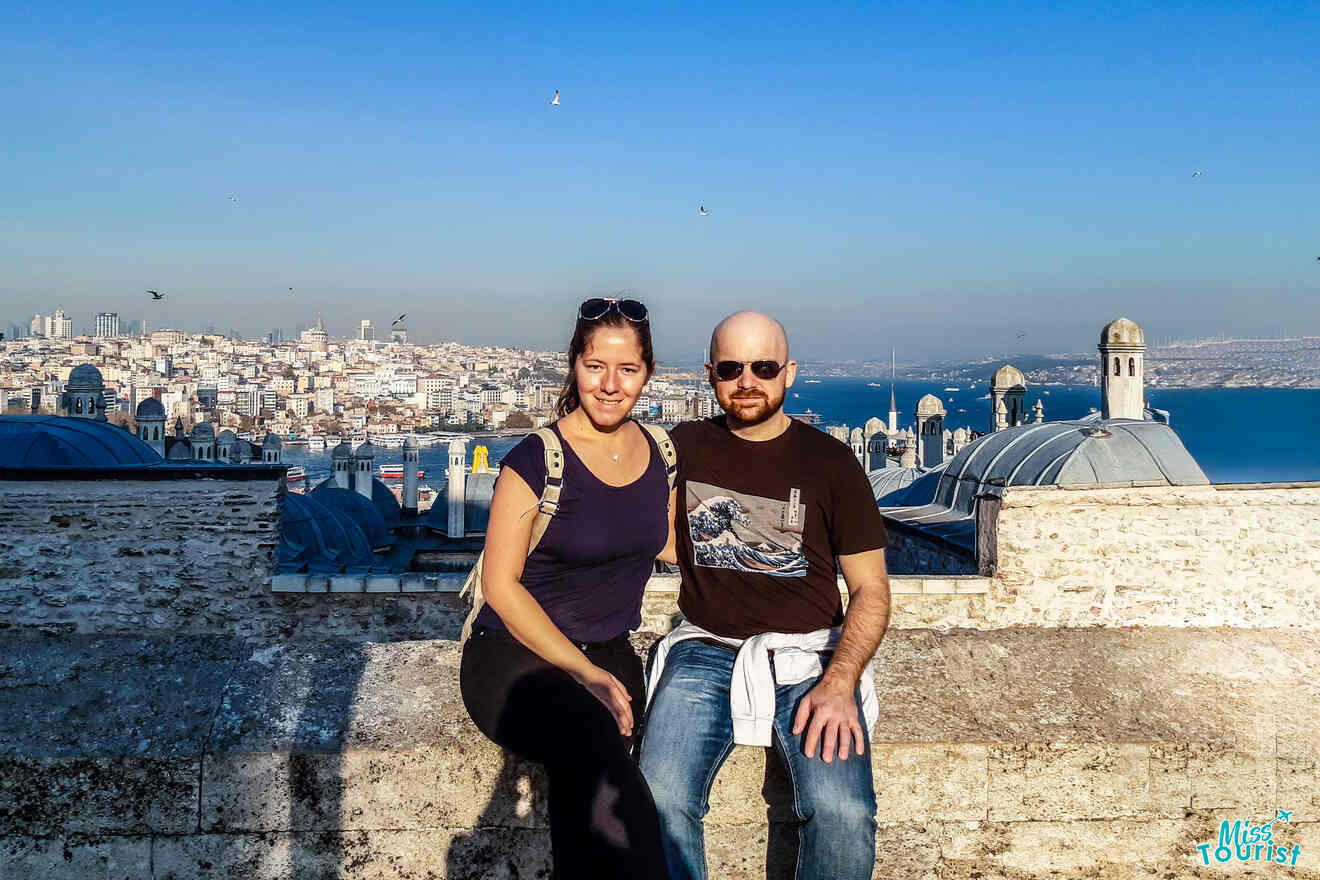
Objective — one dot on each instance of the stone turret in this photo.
(930, 431)
(411, 458)
(1008, 390)
(149, 420)
(362, 462)
(1122, 370)
(341, 459)
(457, 484)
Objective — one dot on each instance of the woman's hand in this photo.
(608, 690)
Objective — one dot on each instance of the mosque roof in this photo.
(56, 442)
(203, 432)
(226, 436)
(361, 511)
(365, 450)
(889, 484)
(343, 450)
(150, 408)
(873, 426)
(271, 441)
(84, 377)
(1077, 453)
(1008, 376)
(1121, 331)
(318, 537)
(390, 509)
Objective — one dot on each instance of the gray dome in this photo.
(888, 484)
(343, 450)
(84, 377)
(317, 538)
(272, 441)
(54, 442)
(365, 450)
(150, 409)
(356, 508)
(1122, 332)
(203, 432)
(1008, 378)
(226, 437)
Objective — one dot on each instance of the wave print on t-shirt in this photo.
(744, 532)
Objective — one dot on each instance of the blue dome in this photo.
(150, 408)
(84, 377)
(361, 511)
(318, 537)
(54, 441)
(390, 509)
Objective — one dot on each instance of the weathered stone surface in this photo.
(931, 781)
(1080, 781)
(501, 853)
(75, 856)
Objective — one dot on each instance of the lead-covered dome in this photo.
(84, 377)
(55, 442)
(1008, 377)
(150, 409)
(1121, 331)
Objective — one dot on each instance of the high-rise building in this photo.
(38, 326)
(107, 324)
(366, 333)
(59, 326)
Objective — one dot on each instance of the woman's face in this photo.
(610, 375)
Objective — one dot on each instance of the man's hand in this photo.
(829, 715)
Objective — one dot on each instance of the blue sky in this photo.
(936, 178)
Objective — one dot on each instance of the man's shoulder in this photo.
(696, 431)
(821, 444)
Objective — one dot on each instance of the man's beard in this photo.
(753, 409)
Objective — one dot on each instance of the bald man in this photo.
(765, 655)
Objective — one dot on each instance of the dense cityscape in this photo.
(308, 388)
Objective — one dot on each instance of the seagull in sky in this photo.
(398, 319)
(555, 100)
(290, 291)
(1196, 173)
(155, 295)
(1020, 335)
(702, 209)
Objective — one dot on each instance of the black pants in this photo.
(603, 822)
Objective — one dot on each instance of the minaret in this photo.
(857, 441)
(341, 460)
(363, 457)
(874, 434)
(893, 408)
(930, 431)
(1008, 388)
(457, 484)
(150, 422)
(1122, 370)
(410, 462)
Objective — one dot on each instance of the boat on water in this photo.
(811, 381)
(295, 474)
(315, 442)
(875, 385)
(395, 472)
(952, 389)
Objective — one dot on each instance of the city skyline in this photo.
(943, 179)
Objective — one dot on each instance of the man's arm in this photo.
(829, 711)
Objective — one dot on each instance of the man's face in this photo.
(745, 398)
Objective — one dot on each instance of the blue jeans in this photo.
(689, 734)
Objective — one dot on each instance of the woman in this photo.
(548, 672)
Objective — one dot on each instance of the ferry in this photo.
(315, 443)
(874, 385)
(951, 389)
(811, 381)
(395, 472)
(295, 474)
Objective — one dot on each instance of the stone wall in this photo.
(1158, 556)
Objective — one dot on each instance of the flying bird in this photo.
(155, 295)
(233, 199)
(555, 100)
(1196, 173)
(398, 319)
(290, 291)
(1020, 335)
(702, 209)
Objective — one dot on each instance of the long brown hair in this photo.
(569, 399)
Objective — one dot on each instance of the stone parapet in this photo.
(1012, 753)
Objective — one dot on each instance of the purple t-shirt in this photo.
(591, 567)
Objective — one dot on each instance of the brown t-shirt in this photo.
(761, 524)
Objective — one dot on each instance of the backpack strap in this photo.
(546, 508)
(667, 451)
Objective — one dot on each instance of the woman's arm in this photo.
(512, 511)
(670, 552)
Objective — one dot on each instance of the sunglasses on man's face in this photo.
(730, 370)
(598, 306)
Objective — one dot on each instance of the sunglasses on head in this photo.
(598, 306)
(730, 370)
